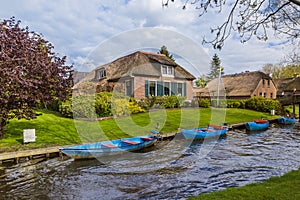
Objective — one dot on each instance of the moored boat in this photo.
(286, 120)
(98, 149)
(257, 125)
(206, 132)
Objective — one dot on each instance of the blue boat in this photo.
(257, 125)
(206, 132)
(286, 120)
(98, 149)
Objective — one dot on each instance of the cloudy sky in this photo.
(82, 30)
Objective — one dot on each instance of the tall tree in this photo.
(164, 50)
(250, 18)
(215, 68)
(282, 71)
(30, 72)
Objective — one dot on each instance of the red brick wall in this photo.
(265, 89)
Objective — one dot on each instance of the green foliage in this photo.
(52, 129)
(285, 187)
(120, 107)
(172, 101)
(262, 104)
(31, 73)
(164, 50)
(103, 104)
(65, 108)
(135, 108)
(83, 106)
(277, 71)
(201, 82)
(236, 103)
(255, 103)
(215, 68)
(205, 103)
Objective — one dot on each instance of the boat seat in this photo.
(129, 142)
(147, 138)
(109, 145)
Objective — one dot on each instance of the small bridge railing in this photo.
(289, 99)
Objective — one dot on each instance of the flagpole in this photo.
(219, 81)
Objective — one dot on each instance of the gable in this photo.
(242, 84)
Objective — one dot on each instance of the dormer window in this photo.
(167, 70)
(101, 73)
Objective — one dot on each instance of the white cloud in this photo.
(77, 27)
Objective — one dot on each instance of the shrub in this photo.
(205, 103)
(120, 107)
(135, 108)
(65, 108)
(103, 103)
(83, 106)
(262, 104)
(172, 101)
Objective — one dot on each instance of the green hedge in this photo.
(255, 103)
(101, 104)
(262, 104)
(172, 101)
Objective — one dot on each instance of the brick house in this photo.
(142, 74)
(241, 86)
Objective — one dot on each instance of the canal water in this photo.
(235, 160)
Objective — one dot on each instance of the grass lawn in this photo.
(285, 187)
(290, 109)
(52, 129)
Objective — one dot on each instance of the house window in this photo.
(263, 82)
(179, 89)
(268, 83)
(271, 95)
(157, 88)
(128, 88)
(152, 88)
(167, 90)
(167, 70)
(101, 73)
(260, 94)
(265, 94)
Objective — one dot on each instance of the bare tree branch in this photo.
(250, 18)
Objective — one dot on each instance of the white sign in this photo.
(29, 135)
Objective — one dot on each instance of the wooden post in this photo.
(294, 102)
(299, 112)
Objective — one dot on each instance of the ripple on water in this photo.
(167, 172)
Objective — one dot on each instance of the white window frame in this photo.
(131, 87)
(101, 73)
(182, 88)
(155, 87)
(169, 71)
(170, 87)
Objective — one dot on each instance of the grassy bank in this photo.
(285, 187)
(53, 129)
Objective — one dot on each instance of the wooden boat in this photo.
(257, 125)
(206, 132)
(94, 150)
(286, 120)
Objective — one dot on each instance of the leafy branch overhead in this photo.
(250, 18)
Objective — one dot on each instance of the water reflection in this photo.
(238, 159)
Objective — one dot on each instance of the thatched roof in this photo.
(287, 84)
(242, 84)
(138, 64)
(78, 76)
